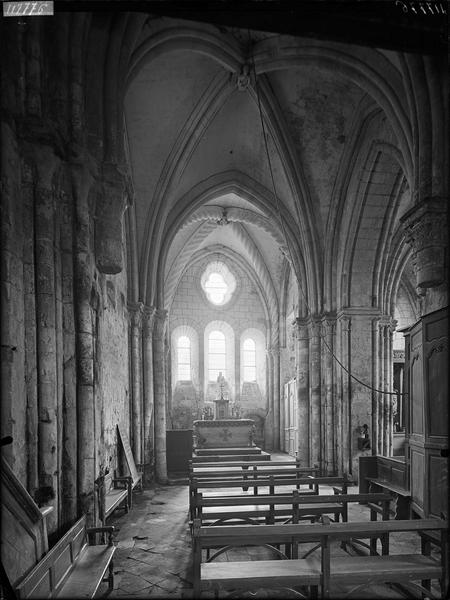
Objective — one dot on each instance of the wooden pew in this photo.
(286, 508)
(74, 567)
(325, 571)
(117, 495)
(250, 470)
(271, 483)
(254, 465)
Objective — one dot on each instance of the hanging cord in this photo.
(280, 216)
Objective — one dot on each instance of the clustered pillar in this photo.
(147, 330)
(159, 374)
(135, 312)
(302, 378)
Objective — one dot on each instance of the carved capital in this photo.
(148, 319)
(160, 322)
(387, 323)
(300, 328)
(314, 329)
(425, 228)
(274, 351)
(135, 313)
(328, 324)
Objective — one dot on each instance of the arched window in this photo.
(216, 355)
(184, 358)
(249, 360)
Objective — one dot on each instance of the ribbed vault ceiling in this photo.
(188, 123)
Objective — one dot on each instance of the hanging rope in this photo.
(283, 228)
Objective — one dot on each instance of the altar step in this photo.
(246, 450)
(222, 455)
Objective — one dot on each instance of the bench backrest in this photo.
(269, 481)
(252, 474)
(294, 498)
(252, 464)
(242, 535)
(50, 574)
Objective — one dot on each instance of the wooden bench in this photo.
(324, 572)
(271, 483)
(251, 471)
(286, 508)
(74, 567)
(400, 505)
(117, 494)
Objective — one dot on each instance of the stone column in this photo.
(376, 422)
(237, 368)
(386, 397)
(385, 421)
(82, 183)
(345, 434)
(302, 376)
(269, 422)
(360, 394)
(29, 276)
(159, 370)
(389, 383)
(275, 366)
(68, 358)
(275, 351)
(201, 370)
(49, 467)
(149, 437)
(381, 386)
(315, 407)
(135, 311)
(328, 428)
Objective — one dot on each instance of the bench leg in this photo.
(426, 551)
(111, 575)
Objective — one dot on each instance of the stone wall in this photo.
(64, 334)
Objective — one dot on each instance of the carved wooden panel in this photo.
(24, 534)
(437, 392)
(417, 476)
(437, 485)
(417, 394)
(436, 373)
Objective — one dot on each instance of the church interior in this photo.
(220, 217)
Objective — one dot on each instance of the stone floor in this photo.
(153, 556)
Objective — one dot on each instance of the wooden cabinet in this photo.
(426, 368)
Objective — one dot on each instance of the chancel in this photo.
(224, 299)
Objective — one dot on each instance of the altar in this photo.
(224, 437)
(223, 433)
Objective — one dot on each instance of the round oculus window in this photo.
(218, 283)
